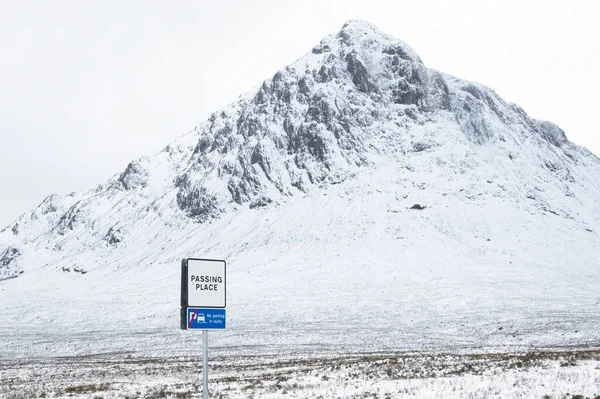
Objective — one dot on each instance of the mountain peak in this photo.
(367, 37)
(359, 25)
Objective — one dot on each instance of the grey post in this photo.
(205, 364)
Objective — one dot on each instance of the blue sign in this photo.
(205, 319)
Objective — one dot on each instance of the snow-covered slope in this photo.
(307, 185)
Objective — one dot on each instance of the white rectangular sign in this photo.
(206, 283)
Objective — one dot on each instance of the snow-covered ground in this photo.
(564, 374)
(370, 275)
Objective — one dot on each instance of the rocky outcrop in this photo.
(8, 263)
(135, 176)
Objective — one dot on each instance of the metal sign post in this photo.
(205, 364)
(203, 302)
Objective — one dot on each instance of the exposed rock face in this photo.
(8, 265)
(115, 235)
(553, 133)
(306, 126)
(135, 176)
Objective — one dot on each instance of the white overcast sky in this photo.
(87, 86)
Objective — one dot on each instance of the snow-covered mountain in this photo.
(355, 189)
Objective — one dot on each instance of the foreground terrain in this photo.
(541, 374)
